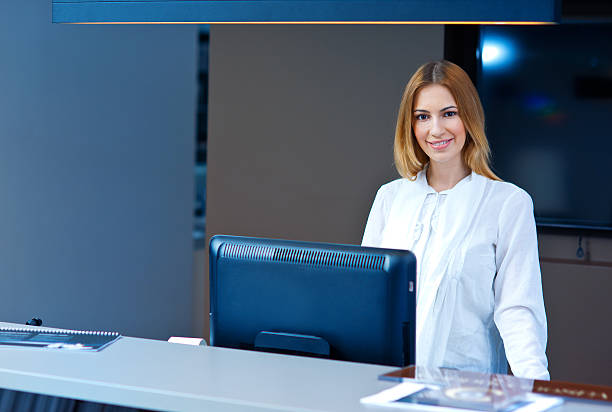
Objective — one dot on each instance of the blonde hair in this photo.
(409, 157)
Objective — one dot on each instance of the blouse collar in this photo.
(421, 180)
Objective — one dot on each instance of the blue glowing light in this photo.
(490, 53)
(497, 52)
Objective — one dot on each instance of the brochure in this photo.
(438, 389)
(423, 397)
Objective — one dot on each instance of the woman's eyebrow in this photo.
(441, 110)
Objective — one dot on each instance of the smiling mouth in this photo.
(440, 144)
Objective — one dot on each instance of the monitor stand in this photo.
(292, 343)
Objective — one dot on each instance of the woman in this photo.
(479, 291)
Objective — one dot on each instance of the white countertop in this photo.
(158, 375)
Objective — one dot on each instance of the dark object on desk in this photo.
(34, 322)
(304, 298)
(556, 388)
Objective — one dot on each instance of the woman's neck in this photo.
(443, 176)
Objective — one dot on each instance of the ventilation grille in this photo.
(301, 256)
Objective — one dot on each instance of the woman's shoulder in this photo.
(392, 188)
(509, 194)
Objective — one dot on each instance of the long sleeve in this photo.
(375, 225)
(519, 304)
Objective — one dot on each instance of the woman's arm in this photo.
(372, 235)
(519, 304)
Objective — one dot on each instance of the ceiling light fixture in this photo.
(308, 11)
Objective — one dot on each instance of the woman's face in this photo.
(437, 126)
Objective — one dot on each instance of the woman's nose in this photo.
(436, 127)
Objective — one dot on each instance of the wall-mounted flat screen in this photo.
(547, 94)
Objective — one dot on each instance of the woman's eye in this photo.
(450, 114)
(421, 117)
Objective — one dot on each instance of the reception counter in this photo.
(158, 375)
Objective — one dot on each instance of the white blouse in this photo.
(479, 289)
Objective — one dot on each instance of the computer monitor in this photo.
(338, 301)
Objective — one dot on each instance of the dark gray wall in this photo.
(301, 124)
(96, 173)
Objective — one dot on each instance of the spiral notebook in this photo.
(81, 340)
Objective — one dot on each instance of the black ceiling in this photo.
(586, 9)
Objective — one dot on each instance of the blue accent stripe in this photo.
(83, 11)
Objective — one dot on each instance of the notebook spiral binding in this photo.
(61, 331)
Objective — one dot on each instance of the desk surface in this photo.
(159, 375)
